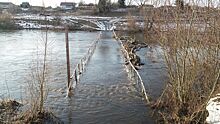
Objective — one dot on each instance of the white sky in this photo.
(55, 3)
(52, 3)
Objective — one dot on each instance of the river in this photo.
(19, 51)
(108, 97)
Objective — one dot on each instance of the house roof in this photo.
(25, 3)
(6, 3)
(67, 3)
(148, 5)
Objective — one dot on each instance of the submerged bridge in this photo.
(104, 93)
(104, 89)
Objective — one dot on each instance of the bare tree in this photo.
(140, 3)
(104, 6)
(121, 3)
(180, 4)
(128, 2)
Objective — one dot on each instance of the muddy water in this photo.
(19, 51)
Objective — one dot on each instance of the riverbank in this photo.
(9, 110)
(12, 111)
(54, 22)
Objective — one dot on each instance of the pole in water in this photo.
(67, 61)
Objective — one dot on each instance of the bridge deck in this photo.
(104, 94)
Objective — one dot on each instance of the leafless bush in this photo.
(6, 21)
(36, 85)
(5, 16)
(191, 45)
(131, 23)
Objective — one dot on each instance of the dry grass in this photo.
(131, 23)
(9, 109)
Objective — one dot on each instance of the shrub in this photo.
(6, 22)
(192, 57)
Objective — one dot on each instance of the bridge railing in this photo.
(80, 67)
(133, 74)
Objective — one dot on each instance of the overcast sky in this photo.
(55, 3)
(52, 3)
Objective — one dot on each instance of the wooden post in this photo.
(67, 58)
(75, 74)
(82, 66)
(79, 69)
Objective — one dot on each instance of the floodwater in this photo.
(104, 94)
(19, 51)
(153, 72)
